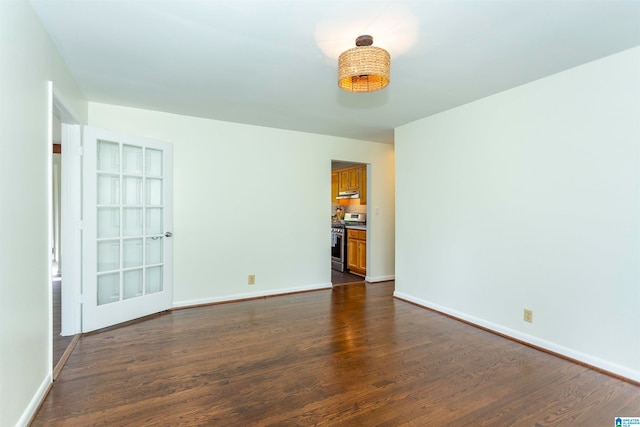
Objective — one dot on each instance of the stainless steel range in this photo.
(339, 240)
(338, 247)
(359, 219)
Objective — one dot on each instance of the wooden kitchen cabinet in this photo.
(363, 185)
(343, 180)
(362, 257)
(334, 187)
(353, 179)
(357, 251)
(350, 179)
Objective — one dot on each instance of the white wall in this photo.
(530, 199)
(28, 60)
(255, 200)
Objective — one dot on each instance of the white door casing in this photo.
(71, 233)
(127, 226)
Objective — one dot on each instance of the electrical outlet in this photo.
(252, 279)
(528, 315)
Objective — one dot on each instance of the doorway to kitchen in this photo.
(346, 278)
(348, 219)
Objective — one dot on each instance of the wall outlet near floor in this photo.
(528, 315)
(252, 279)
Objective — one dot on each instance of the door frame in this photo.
(71, 217)
(368, 166)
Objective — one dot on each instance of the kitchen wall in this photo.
(28, 60)
(530, 199)
(253, 200)
(354, 207)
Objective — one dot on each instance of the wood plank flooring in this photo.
(60, 343)
(351, 356)
(338, 278)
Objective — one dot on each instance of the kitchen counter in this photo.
(356, 227)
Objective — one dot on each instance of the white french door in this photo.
(127, 224)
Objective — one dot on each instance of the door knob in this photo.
(168, 234)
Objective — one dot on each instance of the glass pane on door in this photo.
(131, 253)
(154, 192)
(154, 162)
(132, 283)
(132, 160)
(132, 189)
(154, 220)
(132, 218)
(108, 288)
(108, 222)
(108, 255)
(154, 250)
(108, 189)
(108, 156)
(154, 279)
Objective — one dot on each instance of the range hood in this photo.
(353, 194)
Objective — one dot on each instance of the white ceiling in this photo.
(265, 62)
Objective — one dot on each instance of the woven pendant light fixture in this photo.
(364, 68)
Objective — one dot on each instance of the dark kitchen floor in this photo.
(338, 278)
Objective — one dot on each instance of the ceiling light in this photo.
(364, 68)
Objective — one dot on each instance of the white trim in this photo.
(613, 368)
(49, 147)
(37, 399)
(250, 295)
(380, 278)
(71, 208)
(71, 237)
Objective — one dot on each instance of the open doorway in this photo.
(348, 219)
(60, 342)
(65, 231)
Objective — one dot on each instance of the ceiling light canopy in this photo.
(364, 68)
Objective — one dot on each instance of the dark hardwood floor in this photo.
(349, 356)
(60, 343)
(338, 278)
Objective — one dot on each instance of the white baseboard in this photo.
(249, 295)
(34, 404)
(374, 279)
(587, 359)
